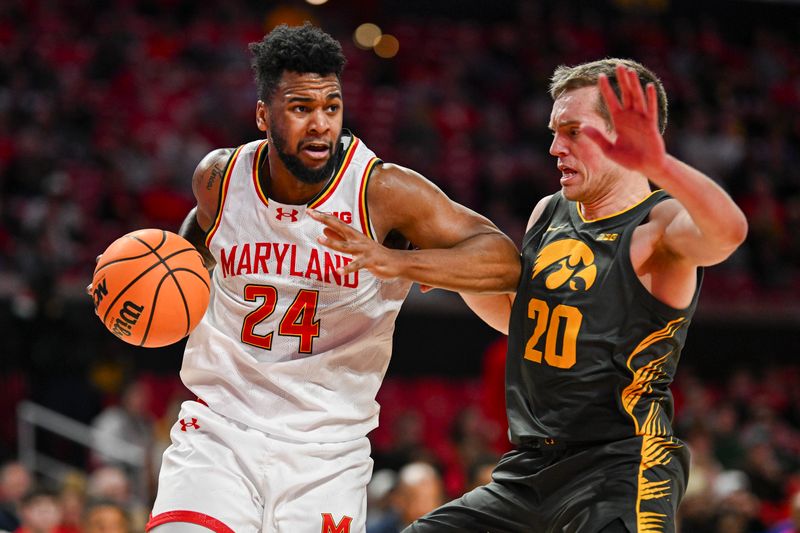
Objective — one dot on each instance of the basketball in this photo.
(150, 288)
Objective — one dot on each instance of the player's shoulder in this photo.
(215, 158)
(207, 178)
(538, 209)
(665, 211)
(390, 182)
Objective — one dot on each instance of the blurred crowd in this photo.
(106, 107)
(438, 438)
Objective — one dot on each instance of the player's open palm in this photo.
(638, 144)
(366, 253)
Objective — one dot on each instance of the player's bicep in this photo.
(405, 201)
(684, 240)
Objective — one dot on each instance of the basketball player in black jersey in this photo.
(611, 272)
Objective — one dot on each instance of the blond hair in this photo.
(567, 78)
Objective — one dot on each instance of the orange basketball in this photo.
(150, 288)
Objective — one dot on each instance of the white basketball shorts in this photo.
(231, 478)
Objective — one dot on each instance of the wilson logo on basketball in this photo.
(100, 290)
(567, 260)
(128, 317)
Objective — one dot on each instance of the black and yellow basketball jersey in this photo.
(591, 352)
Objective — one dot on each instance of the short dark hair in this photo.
(300, 49)
(586, 75)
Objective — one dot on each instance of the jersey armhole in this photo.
(223, 193)
(543, 220)
(363, 207)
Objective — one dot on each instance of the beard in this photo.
(310, 176)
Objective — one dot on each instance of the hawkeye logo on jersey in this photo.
(566, 261)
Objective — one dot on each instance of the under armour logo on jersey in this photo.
(191, 424)
(281, 214)
(330, 526)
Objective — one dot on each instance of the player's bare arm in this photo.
(206, 183)
(456, 248)
(702, 225)
(495, 309)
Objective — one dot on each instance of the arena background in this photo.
(106, 107)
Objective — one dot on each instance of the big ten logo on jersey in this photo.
(329, 525)
(344, 216)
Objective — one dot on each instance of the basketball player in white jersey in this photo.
(288, 358)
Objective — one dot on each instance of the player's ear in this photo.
(262, 115)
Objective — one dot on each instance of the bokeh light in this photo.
(367, 35)
(387, 46)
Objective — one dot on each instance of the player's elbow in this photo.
(728, 240)
(735, 233)
(739, 228)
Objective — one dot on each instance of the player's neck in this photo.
(615, 200)
(283, 186)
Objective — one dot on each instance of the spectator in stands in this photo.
(111, 484)
(129, 422)
(419, 490)
(40, 513)
(15, 482)
(106, 516)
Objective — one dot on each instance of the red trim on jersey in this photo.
(191, 517)
(224, 194)
(256, 159)
(363, 212)
(335, 181)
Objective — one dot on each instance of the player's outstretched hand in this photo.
(366, 253)
(638, 144)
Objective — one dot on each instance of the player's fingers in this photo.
(334, 235)
(637, 95)
(624, 89)
(597, 136)
(349, 268)
(612, 102)
(97, 259)
(331, 222)
(652, 102)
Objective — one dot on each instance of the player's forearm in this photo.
(485, 263)
(720, 221)
(494, 309)
(192, 232)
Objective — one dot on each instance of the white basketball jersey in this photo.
(287, 345)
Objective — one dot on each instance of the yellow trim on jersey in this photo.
(656, 442)
(655, 452)
(256, 172)
(223, 194)
(363, 209)
(643, 377)
(578, 208)
(332, 184)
